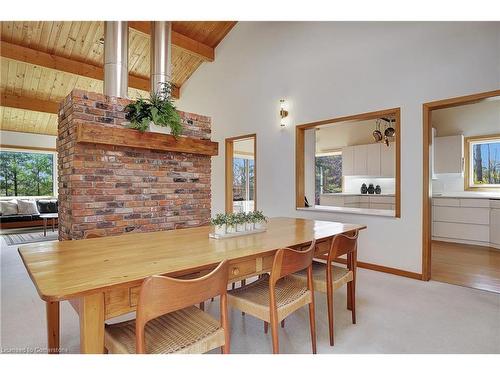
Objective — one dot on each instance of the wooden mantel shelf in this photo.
(106, 135)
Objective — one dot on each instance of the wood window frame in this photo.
(300, 149)
(229, 152)
(467, 160)
(427, 109)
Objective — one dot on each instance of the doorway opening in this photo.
(461, 191)
(241, 173)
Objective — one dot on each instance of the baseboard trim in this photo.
(392, 271)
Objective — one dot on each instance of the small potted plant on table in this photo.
(219, 223)
(249, 224)
(259, 219)
(241, 219)
(231, 222)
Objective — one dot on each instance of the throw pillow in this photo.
(27, 208)
(9, 207)
(44, 206)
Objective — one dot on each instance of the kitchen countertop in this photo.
(359, 194)
(468, 194)
(349, 210)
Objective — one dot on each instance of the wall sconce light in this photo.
(283, 112)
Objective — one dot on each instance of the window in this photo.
(328, 174)
(243, 184)
(483, 162)
(26, 173)
(241, 173)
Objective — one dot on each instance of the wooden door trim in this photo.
(229, 150)
(300, 147)
(426, 144)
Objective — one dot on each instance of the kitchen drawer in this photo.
(381, 206)
(449, 202)
(474, 203)
(364, 199)
(495, 203)
(495, 225)
(329, 200)
(462, 215)
(461, 231)
(351, 199)
(382, 199)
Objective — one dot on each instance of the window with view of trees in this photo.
(26, 173)
(484, 166)
(328, 174)
(243, 179)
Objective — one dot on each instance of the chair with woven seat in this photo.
(328, 279)
(167, 320)
(274, 296)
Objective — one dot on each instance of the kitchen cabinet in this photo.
(449, 154)
(388, 160)
(495, 223)
(379, 202)
(373, 159)
(361, 160)
(348, 161)
(466, 220)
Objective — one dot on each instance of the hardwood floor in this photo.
(467, 265)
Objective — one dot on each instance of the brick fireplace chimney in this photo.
(114, 180)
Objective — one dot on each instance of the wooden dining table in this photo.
(101, 277)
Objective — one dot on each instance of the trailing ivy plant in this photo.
(159, 108)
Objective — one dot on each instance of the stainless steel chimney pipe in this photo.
(116, 58)
(161, 54)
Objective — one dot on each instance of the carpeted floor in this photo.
(394, 315)
(29, 237)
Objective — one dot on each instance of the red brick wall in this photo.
(110, 190)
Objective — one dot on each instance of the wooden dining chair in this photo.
(167, 320)
(328, 279)
(274, 296)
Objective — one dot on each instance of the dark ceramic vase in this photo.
(364, 189)
(378, 190)
(371, 189)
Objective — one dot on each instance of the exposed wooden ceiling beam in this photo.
(27, 103)
(189, 45)
(51, 61)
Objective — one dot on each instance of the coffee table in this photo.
(45, 218)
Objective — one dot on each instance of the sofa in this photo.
(24, 213)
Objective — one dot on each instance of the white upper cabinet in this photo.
(388, 160)
(360, 160)
(373, 159)
(449, 154)
(348, 161)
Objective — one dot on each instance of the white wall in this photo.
(27, 139)
(474, 119)
(333, 69)
(336, 136)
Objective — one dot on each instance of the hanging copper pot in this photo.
(377, 134)
(390, 131)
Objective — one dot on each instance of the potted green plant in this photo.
(240, 221)
(249, 224)
(219, 223)
(231, 222)
(157, 113)
(260, 220)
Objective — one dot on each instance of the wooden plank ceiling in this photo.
(41, 62)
